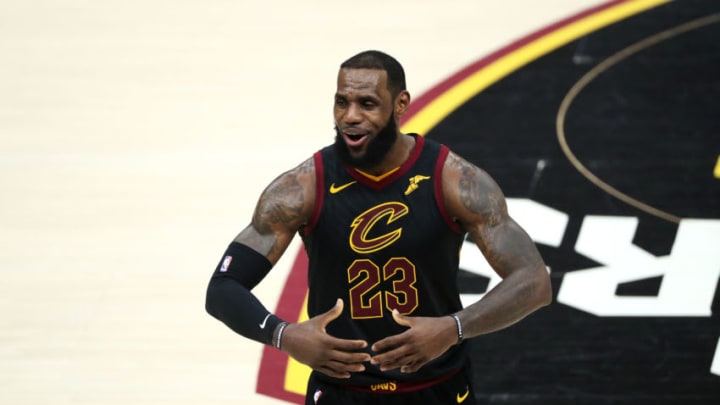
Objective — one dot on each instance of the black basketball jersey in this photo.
(382, 245)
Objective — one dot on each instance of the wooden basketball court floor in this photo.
(135, 137)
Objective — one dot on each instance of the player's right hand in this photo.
(309, 343)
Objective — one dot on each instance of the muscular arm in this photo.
(280, 211)
(476, 201)
(283, 208)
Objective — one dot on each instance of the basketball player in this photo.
(382, 215)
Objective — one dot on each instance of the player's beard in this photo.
(376, 150)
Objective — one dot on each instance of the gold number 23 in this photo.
(366, 299)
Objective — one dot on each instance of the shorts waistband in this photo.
(399, 387)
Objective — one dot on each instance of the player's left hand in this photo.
(426, 339)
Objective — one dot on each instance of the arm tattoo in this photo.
(283, 201)
(479, 195)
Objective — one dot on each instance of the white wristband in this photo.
(459, 327)
(281, 329)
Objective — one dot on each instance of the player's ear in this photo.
(402, 101)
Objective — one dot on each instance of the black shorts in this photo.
(457, 389)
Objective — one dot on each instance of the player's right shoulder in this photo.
(301, 176)
(298, 174)
(307, 167)
(294, 188)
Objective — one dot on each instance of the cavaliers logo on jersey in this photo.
(361, 239)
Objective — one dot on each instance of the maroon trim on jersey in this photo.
(319, 192)
(409, 162)
(438, 183)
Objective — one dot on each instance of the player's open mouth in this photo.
(354, 139)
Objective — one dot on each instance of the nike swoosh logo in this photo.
(264, 322)
(461, 398)
(334, 189)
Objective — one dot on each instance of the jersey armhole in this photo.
(438, 184)
(319, 193)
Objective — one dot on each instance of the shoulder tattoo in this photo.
(478, 192)
(283, 201)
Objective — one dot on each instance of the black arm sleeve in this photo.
(229, 299)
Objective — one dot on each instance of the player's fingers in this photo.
(350, 357)
(390, 356)
(388, 343)
(401, 319)
(347, 345)
(333, 313)
(353, 367)
(391, 363)
(338, 369)
(412, 366)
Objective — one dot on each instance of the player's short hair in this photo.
(379, 60)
